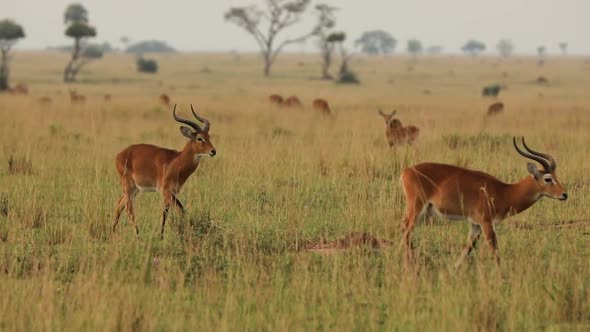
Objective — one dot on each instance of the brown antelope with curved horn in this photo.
(396, 133)
(459, 193)
(144, 167)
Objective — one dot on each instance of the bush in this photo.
(491, 90)
(147, 65)
(348, 78)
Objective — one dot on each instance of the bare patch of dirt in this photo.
(350, 241)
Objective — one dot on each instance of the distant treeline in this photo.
(147, 46)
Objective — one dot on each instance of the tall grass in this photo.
(281, 179)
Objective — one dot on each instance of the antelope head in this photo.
(390, 121)
(199, 143)
(545, 179)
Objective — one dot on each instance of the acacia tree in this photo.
(414, 47)
(541, 50)
(505, 47)
(563, 47)
(10, 33)
(279, 15)
(327, 39)
(77, 18)
(376, 42)
(473, 47)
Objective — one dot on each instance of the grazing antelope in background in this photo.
(44, 100)
(165, 99)
(322, 106)
(19, 89)
(292, 101)
(396, 133)
(495, 108)
(75, 97)
(276, 100)
(107, 97)
(459, 193)
(144, 167)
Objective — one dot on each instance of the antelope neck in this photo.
(522, 194)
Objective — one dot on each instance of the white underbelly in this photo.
(452, 217)
(146, 189)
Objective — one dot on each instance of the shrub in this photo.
(491, 90)
(348, 77)
(147, 65)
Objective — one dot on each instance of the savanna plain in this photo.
(284, 179)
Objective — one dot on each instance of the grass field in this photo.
(281, 180)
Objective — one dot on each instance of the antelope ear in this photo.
(383, 114)
(186, 132)
(533, 170)
(393, 113)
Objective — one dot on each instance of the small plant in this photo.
(4, 205)
(19, 165)
(147, 65)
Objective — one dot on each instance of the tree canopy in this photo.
(473, 47)
(505, 47)
(279, 15)
(79, 30)
(414, 46)
(75, 13)
(10, 31)
(376, 42)
(563, 47)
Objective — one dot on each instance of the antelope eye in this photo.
(200, 139)
(548, 180)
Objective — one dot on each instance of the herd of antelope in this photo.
(430, 188)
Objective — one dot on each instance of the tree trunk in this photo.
(69, 72)
(4, 71)
(267, 66)
(327, 57)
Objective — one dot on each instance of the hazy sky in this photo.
(198, 25)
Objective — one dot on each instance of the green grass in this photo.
(282, 179)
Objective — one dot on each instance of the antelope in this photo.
(44, 100)
(75, 97)
(107, 97)
(459, 193)
(144, 167)
(396, 133)
(292, 101)
(276, 100)
(19, 89)
(165, 99)
(322, 106)
(495, 108)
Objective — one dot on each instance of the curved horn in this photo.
(186, 122)
(203, 120)
(536, 158)
(544, 155)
